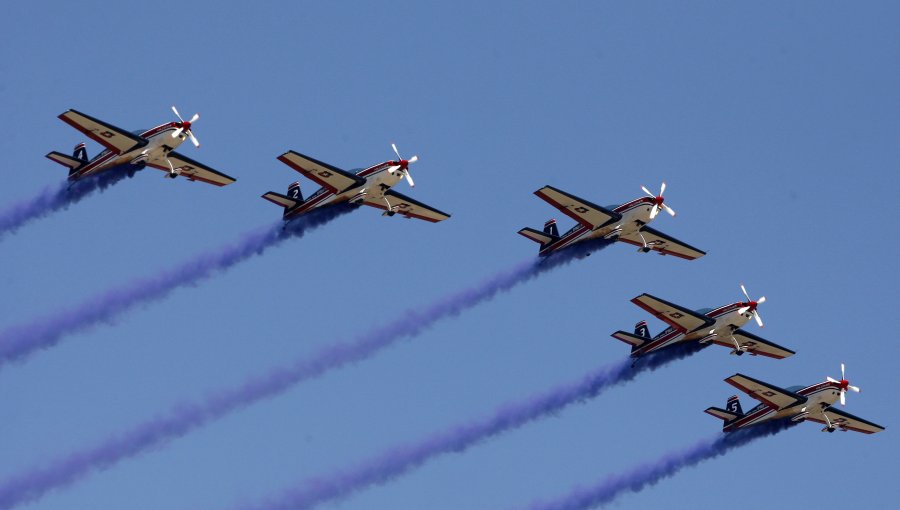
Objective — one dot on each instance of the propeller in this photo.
(844, 385)
(658, 201)
(403, 164)
(750, 306)
(184, 126)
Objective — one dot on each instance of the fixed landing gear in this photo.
(388, 213)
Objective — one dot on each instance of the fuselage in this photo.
(635, 214)
(378, 178)
(159, 142)
(819, 397)
(727, 319)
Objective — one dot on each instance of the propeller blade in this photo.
(194, 139)
(654, 211)
(761, 300)
(176, 113)
(829, 379)
(409, 179)
(394, 146)
(195, 117)
(662, 189)
(413, 159)
(743, 310)
(177, 132)
(854, 388)
(842, 372)
(392, 169)
(758, 318)
(669, 210)
(843, 398)
(744, 290)
(647, 191)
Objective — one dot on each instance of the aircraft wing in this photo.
(676, 316)
(408, 207)
(846, 421)
(588, 214)
(772, 396)
(192, 170)
(330, 177)
(113, 138)
(755, 345)
(663, 243)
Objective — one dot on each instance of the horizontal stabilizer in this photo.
(279, 199)
(65, 160)
(721, 413)
(537, 236)
(629, 338)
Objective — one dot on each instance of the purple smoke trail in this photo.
(18, 342)
(640, 477)
(56, 198)
(184, 417)
(398, 460)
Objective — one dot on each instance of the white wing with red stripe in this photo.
(662, 243)
(192, 170)
(408, 207)
(846, 421)
(772, 396)
(328, 176)
(755, 345)
(113, 138)
(676, 316)
(588, 214)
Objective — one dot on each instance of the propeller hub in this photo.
(659, 200)
(844, 383)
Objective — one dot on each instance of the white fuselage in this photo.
(635, 214)
(159, 144)
(819, 397)
(727, 319)
(379, 179)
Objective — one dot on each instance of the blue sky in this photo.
(775, 126)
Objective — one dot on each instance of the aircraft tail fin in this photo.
(550, 228)
(731, 412)
(640, 336)
(72, 163)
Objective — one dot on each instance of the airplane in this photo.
(137, 149)
(626, 223)
(797, 403)
(369, 186)
(710, 325)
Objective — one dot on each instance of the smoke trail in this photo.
(640, 477)
(398, 460)
(56, 198)
(18, 342)
(186, 416)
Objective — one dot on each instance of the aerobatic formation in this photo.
(126, 152)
